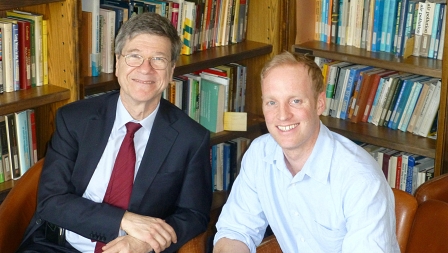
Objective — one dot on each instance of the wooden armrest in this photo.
(269, 245)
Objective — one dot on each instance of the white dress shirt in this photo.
(339, 202)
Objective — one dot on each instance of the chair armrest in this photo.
(436, 188)
(269, 245)
(18, 208)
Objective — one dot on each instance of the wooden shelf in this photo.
(9, 5)
(382, 136)
(255, 127)
(34, 97)
(189, 63)
(416, 65)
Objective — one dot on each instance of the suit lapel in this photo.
(159, 144)
(95, 139)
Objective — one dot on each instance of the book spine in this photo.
(420, 23)
(427, 29)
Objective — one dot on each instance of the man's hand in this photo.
(127, 244)
(153, 231)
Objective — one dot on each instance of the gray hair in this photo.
(148, 23)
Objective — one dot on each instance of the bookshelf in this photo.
(395, 139)
(265, 37)
(63, 70)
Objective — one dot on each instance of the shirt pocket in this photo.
(329, 239)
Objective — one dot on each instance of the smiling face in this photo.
(291, 107)
(142, 86)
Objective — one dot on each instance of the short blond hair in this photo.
(286, 58)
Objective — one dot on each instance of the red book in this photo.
(362, 97)
(372, 92)
(32, 135)
(24, 40)
(213, 71)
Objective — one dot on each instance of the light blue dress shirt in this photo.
(339, 202)
(97, 187)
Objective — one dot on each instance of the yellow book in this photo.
(45, 49)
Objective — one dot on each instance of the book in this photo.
(382, 97)
(442, 38)
(32, 135)
(386, 22)
(402, 99)
(420, 24)
(410, 106)
(194, 96)
(334, 21)
(107, 40)
(430, 113)
(37, 19)
(93, 6)
(212, 101)
(85, 44)
(365, 23)
(408, 41)
(231, 88)
(352, 89)
(45, 50)
(7, 56)
(333, 74)
(15, 53)
(400, 26)
(439, 30)
(24, 53)
(427, 88)
(427, 28)
(340, 85)
(6, 161)
(12, 145)
(377, 25)
(373, 92)
(435, 25)
(424, 107)
(394, 16)
(361, 103)
(188, 27)
(120, 16)
(23, 145)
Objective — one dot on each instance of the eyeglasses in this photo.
(136, 60)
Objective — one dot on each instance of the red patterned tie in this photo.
(120, 184)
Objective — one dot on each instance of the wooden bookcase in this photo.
(381, 136)
(63, 70)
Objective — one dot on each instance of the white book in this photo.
(426, 103)
(420, 23)
(23, 145)
(7, 57)
(107, 40)
(431, 111)
(427, 28)
(93, 6)
(382, 99)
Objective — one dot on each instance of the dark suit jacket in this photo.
(172, 183)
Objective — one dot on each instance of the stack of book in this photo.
(18, 144)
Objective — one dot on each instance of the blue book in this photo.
(384, 25)
(408, 31)
(226, 166)
(214, 155)
(439, 29)
(375, 100)
(401, 27)
(409, 108)
(323, 21)
(352, 82)
(129, 4)
(377, 25)
(391, 26)
(435, 25)
(402, 99)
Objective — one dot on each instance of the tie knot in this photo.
(132, 127)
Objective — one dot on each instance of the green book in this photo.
(212, 101)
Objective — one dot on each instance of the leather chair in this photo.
(269, 245)
(405, 208)
(429, 231)
(19, 205)
(435, 188)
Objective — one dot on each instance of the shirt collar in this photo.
(123, 117)
(318, 164)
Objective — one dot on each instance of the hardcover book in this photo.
(212, 101)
